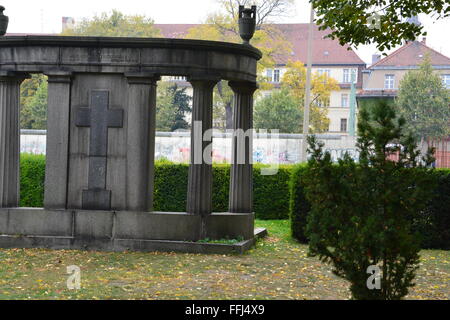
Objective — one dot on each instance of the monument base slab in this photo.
(126, 230)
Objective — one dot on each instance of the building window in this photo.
(276, 75)
(389, 81)
(346, 78)
(343, 125)
(348, 74)
(326, 72)
(322, 103)
(179, 78)
(344, 100)
(446, 80)
(273, 75)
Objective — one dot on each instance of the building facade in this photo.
(329, 57)
(383, 77)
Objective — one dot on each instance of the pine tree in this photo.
(171, 106)
(361, 213)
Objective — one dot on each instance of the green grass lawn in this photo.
(277, 268)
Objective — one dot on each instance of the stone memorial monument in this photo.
(101, 140)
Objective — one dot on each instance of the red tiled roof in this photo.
(325, 51)
(411, 54)
(175, 30)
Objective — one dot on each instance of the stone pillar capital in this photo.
(142, 78)
(58, 76)
(13, 76)
(243, 87)
(205, 81)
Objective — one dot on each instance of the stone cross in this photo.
(99, 118)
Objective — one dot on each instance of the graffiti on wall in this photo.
(176, 147)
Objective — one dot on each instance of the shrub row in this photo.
(271, 200)
(170, 194)
(298, 205)
(270, 192)
(432, 225)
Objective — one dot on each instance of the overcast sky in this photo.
(35, 16)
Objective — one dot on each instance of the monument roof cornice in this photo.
(126, 42)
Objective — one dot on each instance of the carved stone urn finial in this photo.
(3, 21)
(247, 23)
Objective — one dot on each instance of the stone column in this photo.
(9, 137)
(141, 140)
(241, 177)
(57, 154)
(199, 197)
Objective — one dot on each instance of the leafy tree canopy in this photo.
(294, 80)
(283, 109)
(33, 102)
(424, 102)
(356, 22)
(172, 104)
(280, 111)
(223, 26)
(115, 24)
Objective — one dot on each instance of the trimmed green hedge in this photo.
(278, 196)
(298, 205)
(271, 199)
(270, 191)
(170, 187)
(433, 225)
(32, 176)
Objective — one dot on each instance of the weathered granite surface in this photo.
(101, 141)
(119, 55)
(117, 230)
